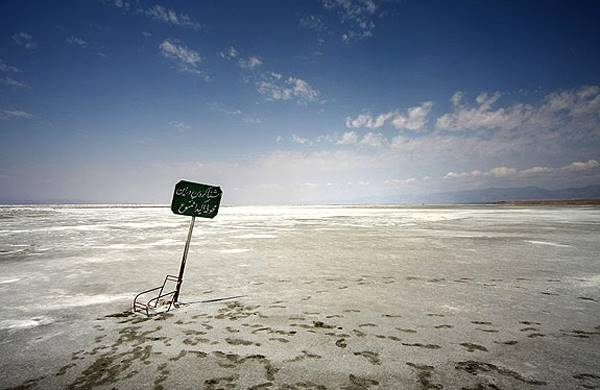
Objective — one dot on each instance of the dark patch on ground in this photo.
(360, 383)
(405, 330)
(509, 342)
(341, 343)
(420, 345)
(474, 347)
(372, 357)
(424, 376)
(475, 368)
(305, 355)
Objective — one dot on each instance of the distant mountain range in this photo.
(490, 195)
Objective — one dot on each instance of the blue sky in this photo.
(296, 101)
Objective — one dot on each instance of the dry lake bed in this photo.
(330, 297)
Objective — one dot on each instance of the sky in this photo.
(292, 102)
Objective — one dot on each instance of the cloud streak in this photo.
(275, 86)
(180, 126)
(168, 16)
(6, 115)
(25, 40)
(232, 54)
(559, 109)
(9, 82)
(76, 41)
(503, 171)
(375, 140)
(414, 118)
(186, 59)
(300, 140)
(357, 15)
(5, 68)
(348, 138)
(313, 22)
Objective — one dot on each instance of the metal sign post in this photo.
(195, 200)
(183, 260)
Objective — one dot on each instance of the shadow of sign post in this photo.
(194, 200)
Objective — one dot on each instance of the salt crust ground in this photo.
(445, 304)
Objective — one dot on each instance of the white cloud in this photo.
(250, 63)
(181, 126)
(224, 109)
(25, 40)
(380, 120)
(14, 114)
(357, 15)
(358, 122)
(400, 182)
(146, 34)
(229, 54)
(456, 98)
(187, 59)
(503, 171)
(278, 139)
(118, 3)
(325, 138)
(367, 120)
(454, 175)
(245, 63)
(165, 15)
(251, 119)
(374, 139)
(275, 87)
(581, 165)
(415, 118)
(447, 147)
(303, 89)
(578, 102)
(300, 140)
(482, 116)
(8, 82)
(579, 107)
(536, 170)
(494, 172)
(348, 138)
(244, 117)
(8, 68)
(76, 41)
(313, 22)
(157, 12)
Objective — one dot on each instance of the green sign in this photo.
(196, 200)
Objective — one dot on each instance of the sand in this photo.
(449, 301)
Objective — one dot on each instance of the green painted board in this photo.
(196, 200)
